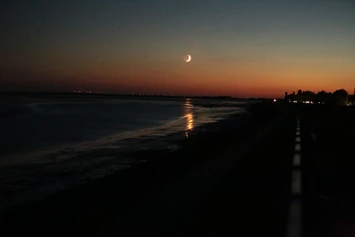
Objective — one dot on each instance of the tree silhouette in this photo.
(323, 96)
(339, 97)
(299, 96)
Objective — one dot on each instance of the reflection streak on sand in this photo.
(189, 116)
(190, 121)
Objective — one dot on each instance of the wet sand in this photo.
(98, 206)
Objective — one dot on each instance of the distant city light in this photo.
(274, 100)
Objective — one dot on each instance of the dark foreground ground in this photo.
(235, 182)
(328, 146)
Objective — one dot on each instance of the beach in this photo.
(116, 195)
(51, 144)
(237, 178)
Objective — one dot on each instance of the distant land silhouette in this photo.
(338, 97)
(113, 95)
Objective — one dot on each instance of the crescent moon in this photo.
(189, 59)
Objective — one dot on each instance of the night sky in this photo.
(238, 48)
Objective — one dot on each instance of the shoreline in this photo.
(30, 106)
(142, 179)
(93, 160)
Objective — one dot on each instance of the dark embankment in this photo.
(328, 135)
(97, 206)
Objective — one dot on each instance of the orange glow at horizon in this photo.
(202, 76)
(197, 80)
